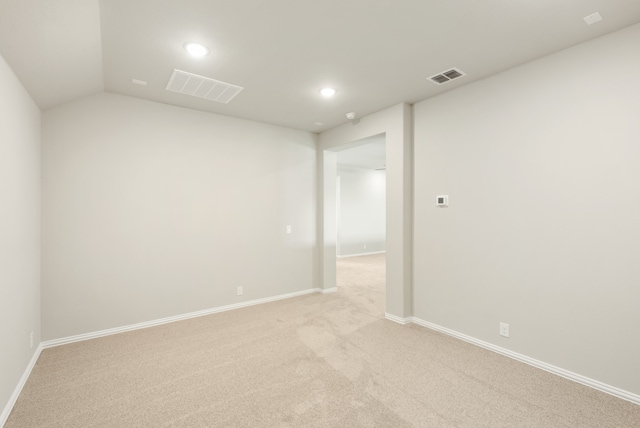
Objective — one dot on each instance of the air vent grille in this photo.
(447, 76)
(202, 87)
(440, 79)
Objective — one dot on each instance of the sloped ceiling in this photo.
(54, 47)
(374, 53)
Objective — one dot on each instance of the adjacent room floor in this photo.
(313, 361)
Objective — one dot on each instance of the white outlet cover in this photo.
(504, 329)
(240, 291)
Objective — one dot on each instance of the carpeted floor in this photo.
(313, 361)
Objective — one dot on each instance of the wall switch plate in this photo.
(240, 291)
(288, 229)
(31, 340)
(504, 329)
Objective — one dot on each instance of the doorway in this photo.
(361, 222)
(396, 124)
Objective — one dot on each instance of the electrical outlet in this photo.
(288, 229)
(31, 340)
(364, 246)
(240, 291)
(504, 329)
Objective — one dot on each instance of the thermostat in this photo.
(442, 201)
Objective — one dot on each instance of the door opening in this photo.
(361, 221)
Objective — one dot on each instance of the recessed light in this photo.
(196, 49)
(327, 92)
(318, 123)
(138, 82)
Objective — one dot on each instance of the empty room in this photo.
(193, 234)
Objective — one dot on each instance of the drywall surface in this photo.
(542, 167)
(395, 123)
(19, 231)
(152, 211)
(361, 211)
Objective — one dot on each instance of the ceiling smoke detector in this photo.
(351, 115)
(447, 76)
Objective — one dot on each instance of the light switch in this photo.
(288, 229)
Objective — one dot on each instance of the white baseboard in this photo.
(600, 386)
(360, 254)
(23, 380)
(397, 319)
(153, 323)
(327, 290)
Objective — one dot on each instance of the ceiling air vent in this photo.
(447, 76)
(202, 87)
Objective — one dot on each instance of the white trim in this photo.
(397, 319)
(338, 189)
(360, 254)
(600, 386)
(23, 380)
(153, 323)
(327, 290)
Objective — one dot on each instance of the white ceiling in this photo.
(375, 53)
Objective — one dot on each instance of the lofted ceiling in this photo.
(282, 52)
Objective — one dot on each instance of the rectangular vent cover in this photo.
(447, 76)
(202, 87)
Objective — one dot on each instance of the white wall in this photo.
(152, 211)
(542, 166)
(361, 211)
(19, 231)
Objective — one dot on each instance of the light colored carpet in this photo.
(313, 361)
